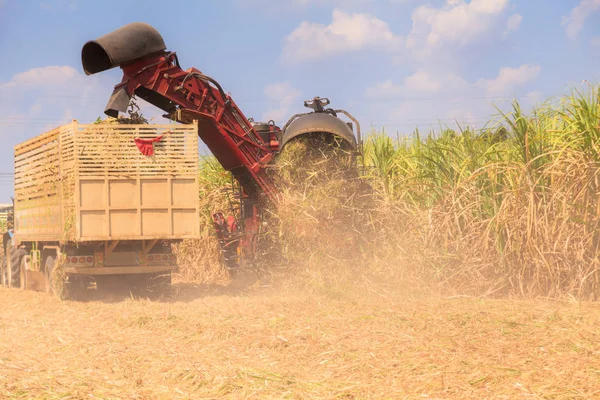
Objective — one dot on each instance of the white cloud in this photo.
(448, 33)
(456, 24)
(534, 97)
(420, 84)
(387, 89)
(422, 81)
(575, 21)
(34, 101)
(282, 98)
(430, 114)
(43, 77)
(49, 90)
(509, 79)
(307, 3)
(39, 99)
(442, 82)
(425, 83)
(300, 5)
(346, 33)
(426, 97)
(59, 88)
(513, 23)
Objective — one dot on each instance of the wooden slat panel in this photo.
(36, 142)
(48, 169)
(111, 150)
(37, 201)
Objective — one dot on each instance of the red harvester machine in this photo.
(243, 147)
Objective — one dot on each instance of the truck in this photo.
(99, 203)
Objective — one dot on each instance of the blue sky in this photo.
(396, 64)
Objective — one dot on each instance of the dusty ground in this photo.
(213, 343)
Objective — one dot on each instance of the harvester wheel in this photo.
(13, 270)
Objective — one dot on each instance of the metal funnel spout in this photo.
(121, 46)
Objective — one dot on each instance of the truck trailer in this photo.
(102, 202)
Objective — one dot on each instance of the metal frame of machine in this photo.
(243, 147)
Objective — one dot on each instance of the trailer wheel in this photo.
(13, 271)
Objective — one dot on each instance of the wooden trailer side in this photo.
(38, 187)
(90, 182)
(122, 194)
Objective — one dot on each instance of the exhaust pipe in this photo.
(122, 46)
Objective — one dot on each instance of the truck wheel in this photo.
(57, 285)
(162, 279)
(13, 272)
(23, 273)
(154, 282)
(152, 285)
(3, 266)
(48, 267)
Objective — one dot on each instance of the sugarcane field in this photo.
(384, 200)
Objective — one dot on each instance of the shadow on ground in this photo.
(240, 283)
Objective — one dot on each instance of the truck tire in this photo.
(152, 285)
(3, 276)
(13, 271)
(48, 267)
(162, 279)
(23, 273)
(58, 287)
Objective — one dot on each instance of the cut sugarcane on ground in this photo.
(280, 342)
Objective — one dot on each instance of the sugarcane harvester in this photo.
(243, 147)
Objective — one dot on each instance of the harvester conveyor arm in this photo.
(187, 96)
(154, 74)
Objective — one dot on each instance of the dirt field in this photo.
(210, 342)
